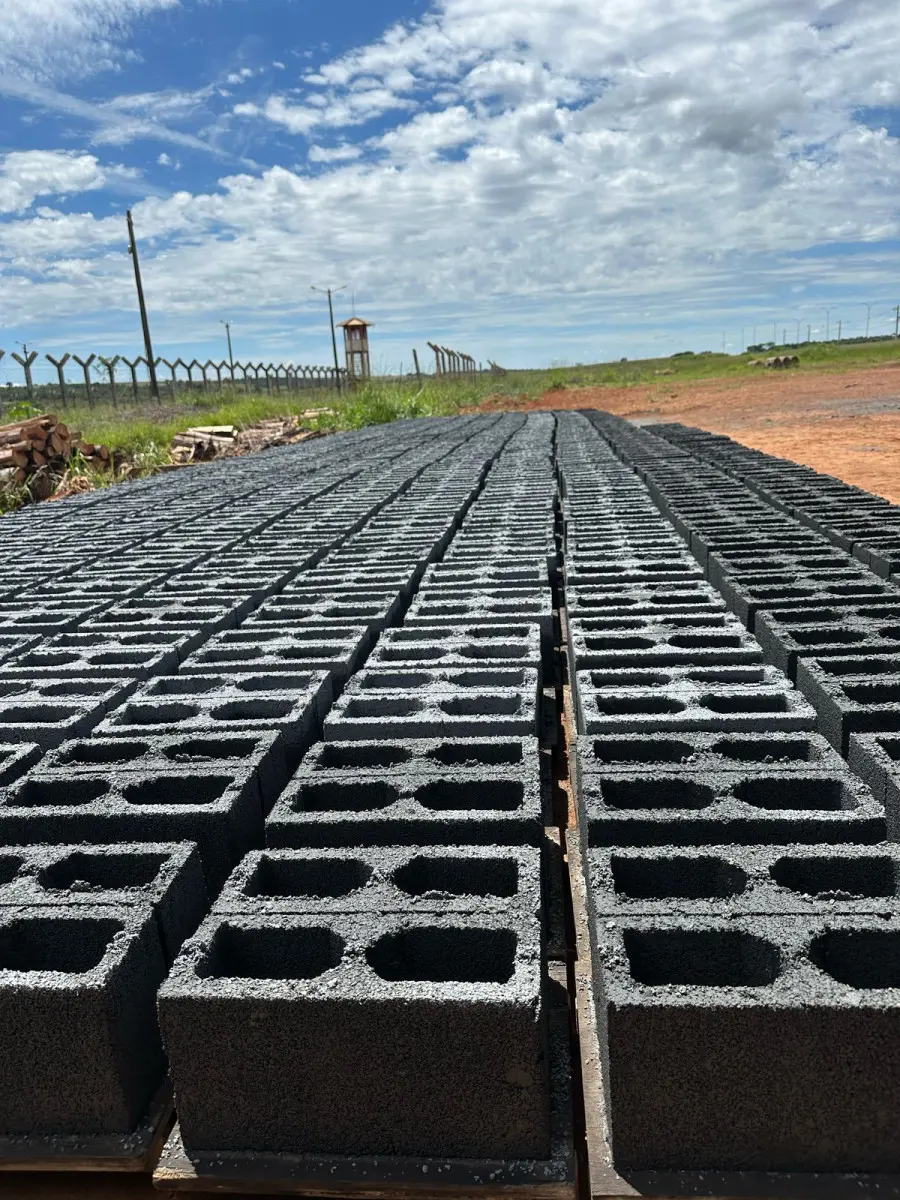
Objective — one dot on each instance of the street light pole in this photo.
(227, 325)
(145, 324)
(337, 365)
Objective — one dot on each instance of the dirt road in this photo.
(845, 424)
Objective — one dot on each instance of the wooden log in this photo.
(38, 458)
(47, 419)
(103, 452)
(218, 430)
(62, 429)
(59, 444)
(14, 458)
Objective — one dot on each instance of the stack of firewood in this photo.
(37, 443)
(202, 442)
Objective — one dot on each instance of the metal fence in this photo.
(95, 379)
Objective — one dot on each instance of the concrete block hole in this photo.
(65, 793)
(271, 953)
(682, 877)
(701, 958)
(790, 793)
(630, 794)
(459, 876)
(438, 955)
(323, 877)
(837, 878)
(177, 789)
(860, 958)
(68, 945)
(83, 871)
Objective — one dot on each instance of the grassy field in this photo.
(145, 435)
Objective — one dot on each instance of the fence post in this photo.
(111, 364)
(218, 370)
(172, 367)
(60, 364)
(416, 364)
(25, 364)
(85, 364)
(132, 366)
(2, 356)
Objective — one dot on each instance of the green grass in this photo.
(145, 434)
(829, 356)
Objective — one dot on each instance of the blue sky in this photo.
(572, 181)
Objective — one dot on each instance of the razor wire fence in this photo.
(93, 380)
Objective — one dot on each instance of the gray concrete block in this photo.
(694, 1012)
(458, 646)
(382, 879)
(633, 641)
(213, 704)
(748, 596)
(711, 808)
(515, 756)
(439, 1019)
(81, 1052)
(219, 810)
(261, 752)
(704, 752)
(337, 649)
(729, 881)
(16, 758)
(77, 655)
(705, 698)
(852, 695)
(359, 808)
(468, 712)
(830, 634)
(165, 876)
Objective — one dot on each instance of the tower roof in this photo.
(354, 321)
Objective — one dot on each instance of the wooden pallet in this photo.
(121, 1153)
(389, 1178)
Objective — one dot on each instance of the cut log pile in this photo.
(38, 443)
(202, 442)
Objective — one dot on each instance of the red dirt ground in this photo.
(845, 424)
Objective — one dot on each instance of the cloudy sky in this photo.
(562, 181)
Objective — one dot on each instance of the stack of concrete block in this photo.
(87, 934)
(403, 874)
(741, 889)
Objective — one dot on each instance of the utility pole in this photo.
(808, 334)
(784, 335)
(227, 325)
(774, 333)
(145, 324)
(840, 327)
(337, 365)
(827, 324)
(798, 331)
(754, 335)
(897, 321)
(868, 308)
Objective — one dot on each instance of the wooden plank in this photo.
(133, 1152)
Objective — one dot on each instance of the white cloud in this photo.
(665, 148)
(333, 154)
(52, 40)
(27, 174)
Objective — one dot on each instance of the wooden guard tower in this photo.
(356, 347)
